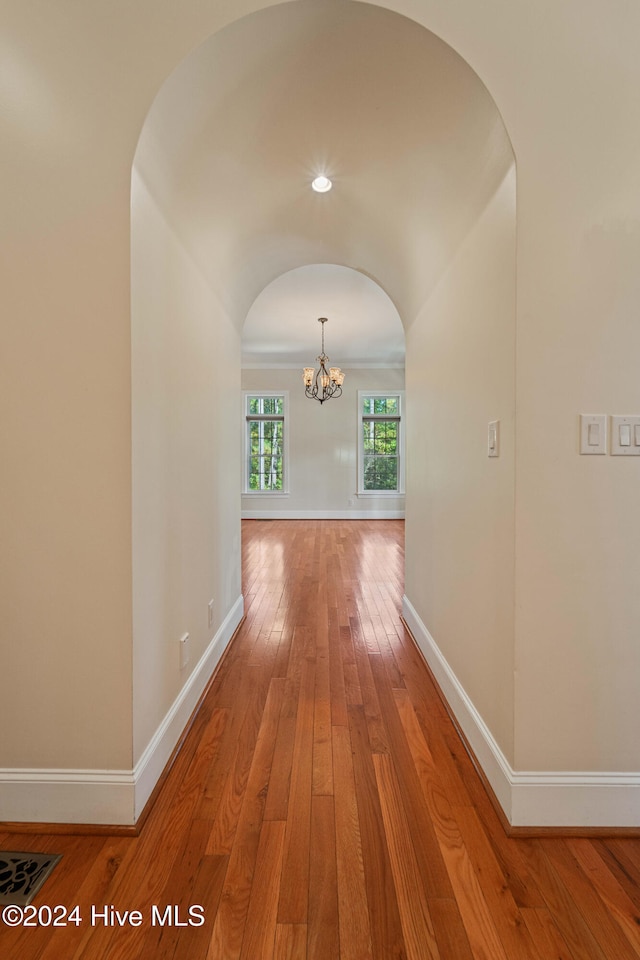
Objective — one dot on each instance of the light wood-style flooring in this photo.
(323, 807)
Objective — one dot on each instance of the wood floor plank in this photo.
(294, 889)
(235, 695)
(446, 760)
(353, 693)
(384, 918)
(417, 926)
(466, 887)
(604, 927)
(479, 924)
(568, 919)
(323, 938)
(618, 856)
(322, 774)
(281, 663)
(548, 942)
(451, 937)
(230, 919)
(228, 811)
(302, 650)
(277, 801)
(522, 885)
(445, 755)
(432, 867)
(214, 739)
(337, 679)
(355, 930)
(161, 940)
(260, 928)
(291, 941)
(506, 915)
(375, 723)
(94, 889)
(193, 942)
(436, 766)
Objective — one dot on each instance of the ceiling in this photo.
(363, 327)
(409, 135)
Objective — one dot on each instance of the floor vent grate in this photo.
(22, 875)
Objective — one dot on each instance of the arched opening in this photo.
(322, 458)
(423, 201)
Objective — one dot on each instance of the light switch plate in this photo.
(625, 436)
(593, 433)
(493, 439)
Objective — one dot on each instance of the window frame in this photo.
(248, 395)
(362, 417)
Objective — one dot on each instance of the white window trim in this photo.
(400, 492)
(246, 492)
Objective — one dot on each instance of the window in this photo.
(265, 466)
(380, 447)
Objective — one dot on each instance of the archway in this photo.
(322, 458)
(221, 206)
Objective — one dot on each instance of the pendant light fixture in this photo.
(319, 384)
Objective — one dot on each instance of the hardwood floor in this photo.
(323, 806)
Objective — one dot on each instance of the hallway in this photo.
(322, 805)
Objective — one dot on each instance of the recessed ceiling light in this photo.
(321, 184)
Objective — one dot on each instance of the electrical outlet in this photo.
(184, 651)
(210, 613)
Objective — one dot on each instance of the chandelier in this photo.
(320, 385)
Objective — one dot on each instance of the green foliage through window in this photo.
(380, 426)
(378, 406)
(265, 443)
(266, 405)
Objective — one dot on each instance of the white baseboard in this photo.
(67, 796)
(531, 798)
(322, 514)
(155, 756)
(111, 796)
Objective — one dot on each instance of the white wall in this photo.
(186, 464)
(65, 399)
(323, 438)
(460, 503)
